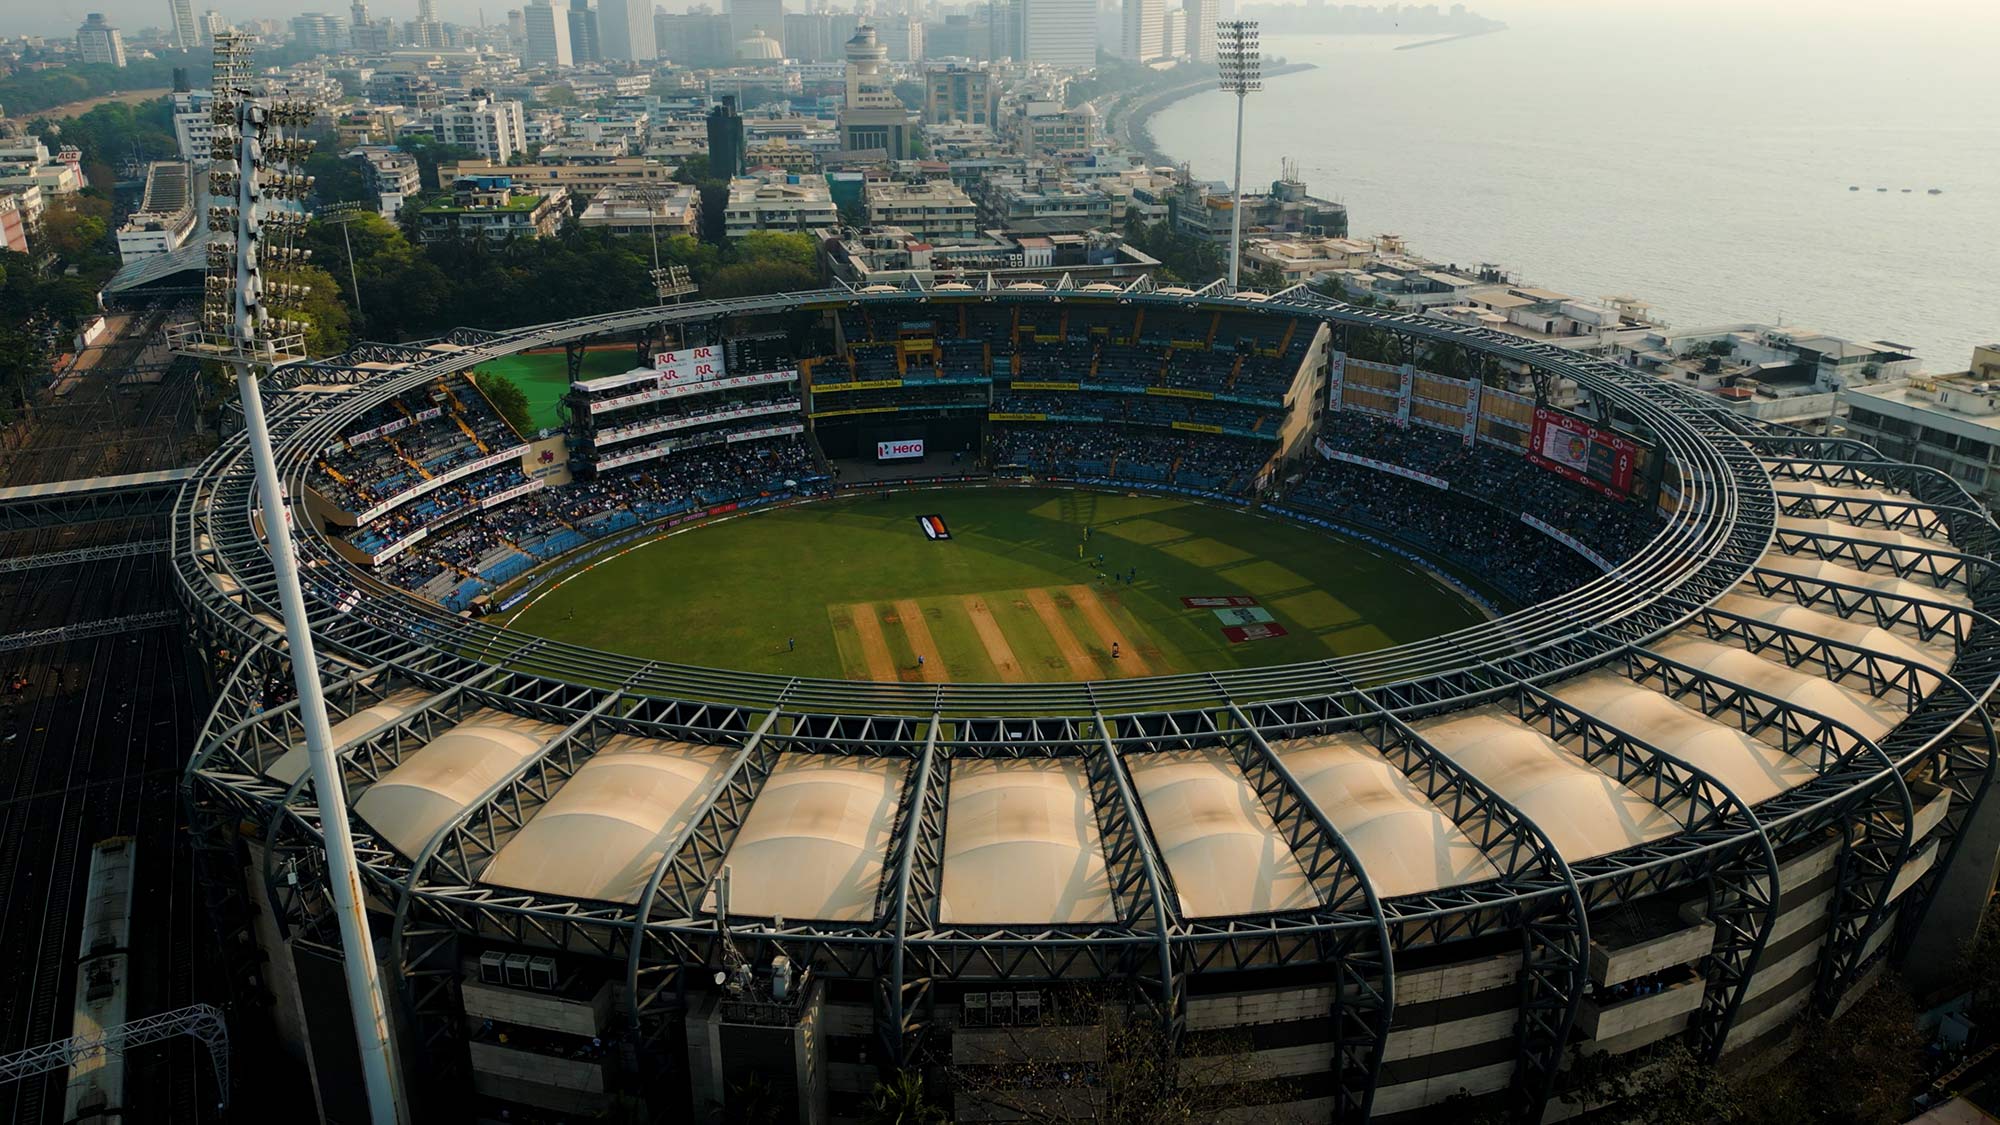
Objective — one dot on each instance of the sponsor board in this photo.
(684, 421)
(1333, 454)
(1220, 600)
(934, 528)
(899, 450)
(1043, 385)
(1180, 392)
(1237, 634)
(820, 388)
(1243, 615)
(727, 383)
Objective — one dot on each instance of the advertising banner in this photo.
(727, 383)
(899, 450)
(1333, 454)
(688, 365)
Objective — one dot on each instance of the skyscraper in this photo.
(746, 16)
(1201, 17)
(427, 31)
(725, 139)
(547, 33)
(1145, 24)
(583, 40)
(98, 42)
(186, 35)
(1059, 32)
(625, 30)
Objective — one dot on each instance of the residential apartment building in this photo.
(780, 153)
(775, 201)
(319, 33)
(187, 36)
(392, 174)
(935, 209)
(1201, 17)
(1043, 127)
(631, 210)
(1948, 422)
(584, 177)
(194, 124)
(958, 95)
(491, 208)
(491, 128)
(98, 43)
(1305, 259)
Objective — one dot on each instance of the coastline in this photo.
(1136, 126)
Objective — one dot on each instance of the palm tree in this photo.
(901, 1101)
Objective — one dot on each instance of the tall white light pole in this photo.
(1242, 67)
(253, 159)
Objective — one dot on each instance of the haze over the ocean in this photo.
(1689, 155)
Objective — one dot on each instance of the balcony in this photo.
(1649, 940)
(578, 1008)
(564, 1085)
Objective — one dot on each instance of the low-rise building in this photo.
(489, 207)
(781, 153)
(892, 256)
(663, 211)
(1948, 422)
(492, 128)
(165, 217)
(1204, 211)
(1041, 127)
(933, 209)
(393, 175)
(1052, 206)
(1794, 376)
(1305, 259)
(26, 162)
(775, 201)
(582, 176)
(194, 124)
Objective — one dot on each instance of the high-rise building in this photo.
(901, 36)
(1145, 26)
(873, 116)
(818, 36)
(1003, 29)
(584, 44)
(1060, 33)
(746, 16)
(319, 32)
(1201, 17)
(186, 35)
(696, 39)
(366, 35)
(625, 30)
(547, 35)
(212, 25)
(98, 42)
(427, 30)
(1173, 33)
(725, 139)
(517, 26)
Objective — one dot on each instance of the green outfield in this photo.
(855, 589)
(544, 376)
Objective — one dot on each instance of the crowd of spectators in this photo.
(1212, 462)
(491, 546)
(375, 469)
(695, 412)
(1140, 410)
(1503, 477)
(436, 507)
(1485, 540)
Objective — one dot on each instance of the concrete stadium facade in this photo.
(1732, 780)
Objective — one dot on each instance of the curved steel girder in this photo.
(917, 846)
(1555, 928)
(1935, 565)
(1742, 880)
(694, 857)
(1364, 987)
(1140, 884)
(1911, 516)
(1927, 617)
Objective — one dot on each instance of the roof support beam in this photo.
(1139, 883)
(917, 849)
(1364, 991)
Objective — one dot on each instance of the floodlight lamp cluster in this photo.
(1238, 58)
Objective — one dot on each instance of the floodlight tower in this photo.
(1242, 67)
(255, 164)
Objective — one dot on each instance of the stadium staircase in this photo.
(336, 474)
(467, 427)
(409, 460)
(902, 363)
(1095, 359)
(1138, 325)
(1284, 345)
(1174, 469)
(1214, 323)
(1235, 370)
(403, 406)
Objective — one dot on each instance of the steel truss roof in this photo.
(1734, 478)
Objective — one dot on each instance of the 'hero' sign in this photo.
(898, 450)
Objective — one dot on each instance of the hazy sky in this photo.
(1810, 16)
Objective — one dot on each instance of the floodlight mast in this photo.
(237, 327)
(1242, 67)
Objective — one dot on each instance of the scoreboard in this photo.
(1590, 455)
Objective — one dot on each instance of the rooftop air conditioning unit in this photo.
(517, 970)
(491, 969)
(973, 1012)
(542, 974)
(1000, 1009)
